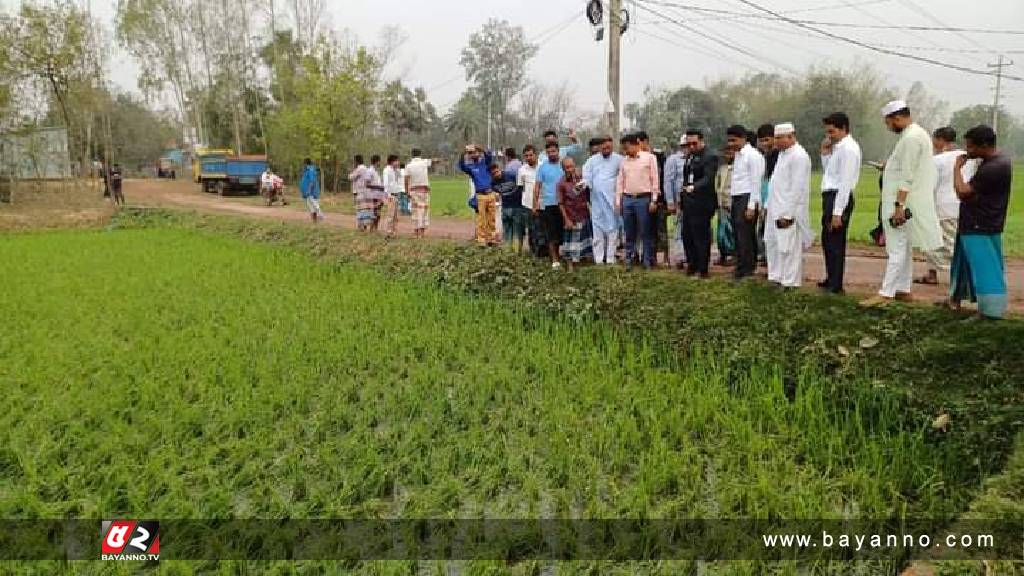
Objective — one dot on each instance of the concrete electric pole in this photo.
(614, 65)
(1003, 63)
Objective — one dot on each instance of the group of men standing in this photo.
(950, 204)
(938, 199)
(382, 195)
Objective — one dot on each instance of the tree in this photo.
(465, 118)
(929, 111)
(403, 112)
(50, 43)
(543, 107)
(334, 102)
(757, 99)
(1011, 129)
(156, 32)
(495, 61)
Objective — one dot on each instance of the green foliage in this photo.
(404, 113)
(333, 106)
(766, 98)
(495, 60)
(1011, 131)
(48, 42)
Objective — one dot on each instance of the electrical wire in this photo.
(539, 38)
(773, 15)
(879, 49)
(721, 41)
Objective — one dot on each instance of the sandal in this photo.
(927, 280)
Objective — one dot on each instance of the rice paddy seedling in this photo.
(173, 373)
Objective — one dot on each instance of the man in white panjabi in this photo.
(788, 228)
(908, 204)
(947, 204)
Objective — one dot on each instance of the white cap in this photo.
(893, 107)
(682, 140)
(785, 129)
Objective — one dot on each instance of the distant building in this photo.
(40, 154)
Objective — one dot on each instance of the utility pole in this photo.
(615, 64)
(489, 99)
(1003, 62)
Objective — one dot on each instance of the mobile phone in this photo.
(908, 214)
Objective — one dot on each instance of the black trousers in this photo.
(833, 242)
(746, 237)
(697, 236)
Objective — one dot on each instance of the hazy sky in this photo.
(438, 29)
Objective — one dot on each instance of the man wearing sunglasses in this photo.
(699, 202)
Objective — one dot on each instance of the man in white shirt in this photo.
(788, 225)
(947, 205)
(417, 183)
(747, 173)
(841, 159)
(526, 182)
(267, 182)
(393, 187)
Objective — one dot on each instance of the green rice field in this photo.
(170, 372)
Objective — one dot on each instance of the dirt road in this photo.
(865, 265)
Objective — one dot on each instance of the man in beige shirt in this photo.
(636, 198)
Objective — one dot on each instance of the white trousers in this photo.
(784, 251)
(941, 259)
(605, 244)
(899, 271)
(313, 205)
(680, 246)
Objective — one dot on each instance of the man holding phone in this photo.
(908, 204)
(841, 159)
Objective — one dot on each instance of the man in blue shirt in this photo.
(476, 163)
(545, 201)
(310, 188)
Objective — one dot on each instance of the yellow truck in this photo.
(197, 160)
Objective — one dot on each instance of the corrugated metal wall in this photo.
(40, 154)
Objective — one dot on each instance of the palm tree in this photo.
(465, 119)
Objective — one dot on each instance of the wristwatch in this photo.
(899, 204)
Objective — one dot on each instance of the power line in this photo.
(916, 8)
(537, 38)
(712, 38)
(952, 50)
(885, 22)
(878, 49)
(701, 49)
(782, 16)
(763, 27)
(743, 15)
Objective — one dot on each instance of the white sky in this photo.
(438, 29)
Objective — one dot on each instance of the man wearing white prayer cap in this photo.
(788, 228)
(908, 204)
